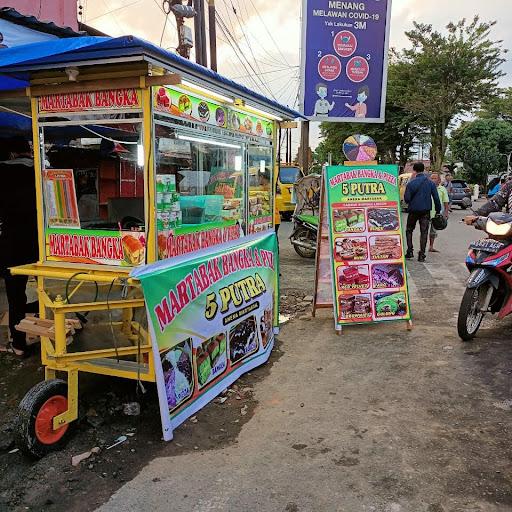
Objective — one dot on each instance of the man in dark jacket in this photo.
(418, 195)
(18, 233)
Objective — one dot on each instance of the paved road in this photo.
(379, 419)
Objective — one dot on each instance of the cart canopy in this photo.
(17, 64)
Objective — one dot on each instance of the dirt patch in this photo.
(53, 484)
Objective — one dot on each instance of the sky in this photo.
(268, 33)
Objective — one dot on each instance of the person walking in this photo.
(448, 183)
(18, 234)
(419, 194)
(445, 203)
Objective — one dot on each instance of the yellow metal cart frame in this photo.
(54, 352)
(62, 397)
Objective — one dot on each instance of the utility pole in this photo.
(181, 12)
(204, 54)
(213, 34)
(198, 22)
(289, 156)
(304, 146)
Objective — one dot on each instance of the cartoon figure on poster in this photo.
(360, 109)
(322, 105)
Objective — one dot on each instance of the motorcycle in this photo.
(304, 235)
(489, 287)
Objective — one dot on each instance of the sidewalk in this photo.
(377, 420)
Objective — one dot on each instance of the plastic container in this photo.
(201, 209)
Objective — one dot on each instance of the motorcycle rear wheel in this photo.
(304, 235)
(470, 314)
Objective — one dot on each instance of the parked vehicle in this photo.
(287, 177)
(304, 235)
(461, 194)
(403, 180)
(489, 287)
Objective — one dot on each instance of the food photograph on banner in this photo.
(344, 60)
(368, 268)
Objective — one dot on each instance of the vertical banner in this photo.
(212, 318)
(344, 60)
(366, 242)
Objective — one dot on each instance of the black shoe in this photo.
(421, 257)
(409, 255)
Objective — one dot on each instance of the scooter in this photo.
(304, 235)
(489, 287)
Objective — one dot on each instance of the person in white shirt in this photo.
(322, 106)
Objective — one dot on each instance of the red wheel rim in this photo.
(44, 420)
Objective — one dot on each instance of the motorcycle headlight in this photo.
(497, 229)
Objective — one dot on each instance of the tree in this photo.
(395, 137)
(498, 107)
(448, 75)
(483, 146)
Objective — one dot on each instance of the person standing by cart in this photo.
(18, 234)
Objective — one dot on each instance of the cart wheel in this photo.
(34, 433)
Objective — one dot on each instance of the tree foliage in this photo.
(448, 74)
(483, 146)
(443, 75)
(498, 107)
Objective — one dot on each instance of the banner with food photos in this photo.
(212, 318)
(366, 242)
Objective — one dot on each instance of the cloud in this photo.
(272, 30)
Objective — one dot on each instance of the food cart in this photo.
(140, 156)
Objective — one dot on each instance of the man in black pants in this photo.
(18, 234)
(419, 194)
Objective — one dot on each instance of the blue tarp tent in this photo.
(18, 64)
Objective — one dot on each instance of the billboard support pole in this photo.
(213, 34)
(304, 146)
(198, 41)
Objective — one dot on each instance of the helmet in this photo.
(439, 222)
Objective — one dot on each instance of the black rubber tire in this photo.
(464, 311)
(302, 251)
(24, 428)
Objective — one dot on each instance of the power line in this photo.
(228, 10)
(268, 31)
(112, 11)
(113, 17)
(269, 72)
(244, 33)
(272, 57)
(163, 30)
(233, 40)
(228, 36)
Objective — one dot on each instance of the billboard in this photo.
(344, 60)
(369, 277)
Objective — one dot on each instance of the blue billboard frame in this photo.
(316, 85)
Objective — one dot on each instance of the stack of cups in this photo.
(167, 202)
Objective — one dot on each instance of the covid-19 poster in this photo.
(344, 60)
